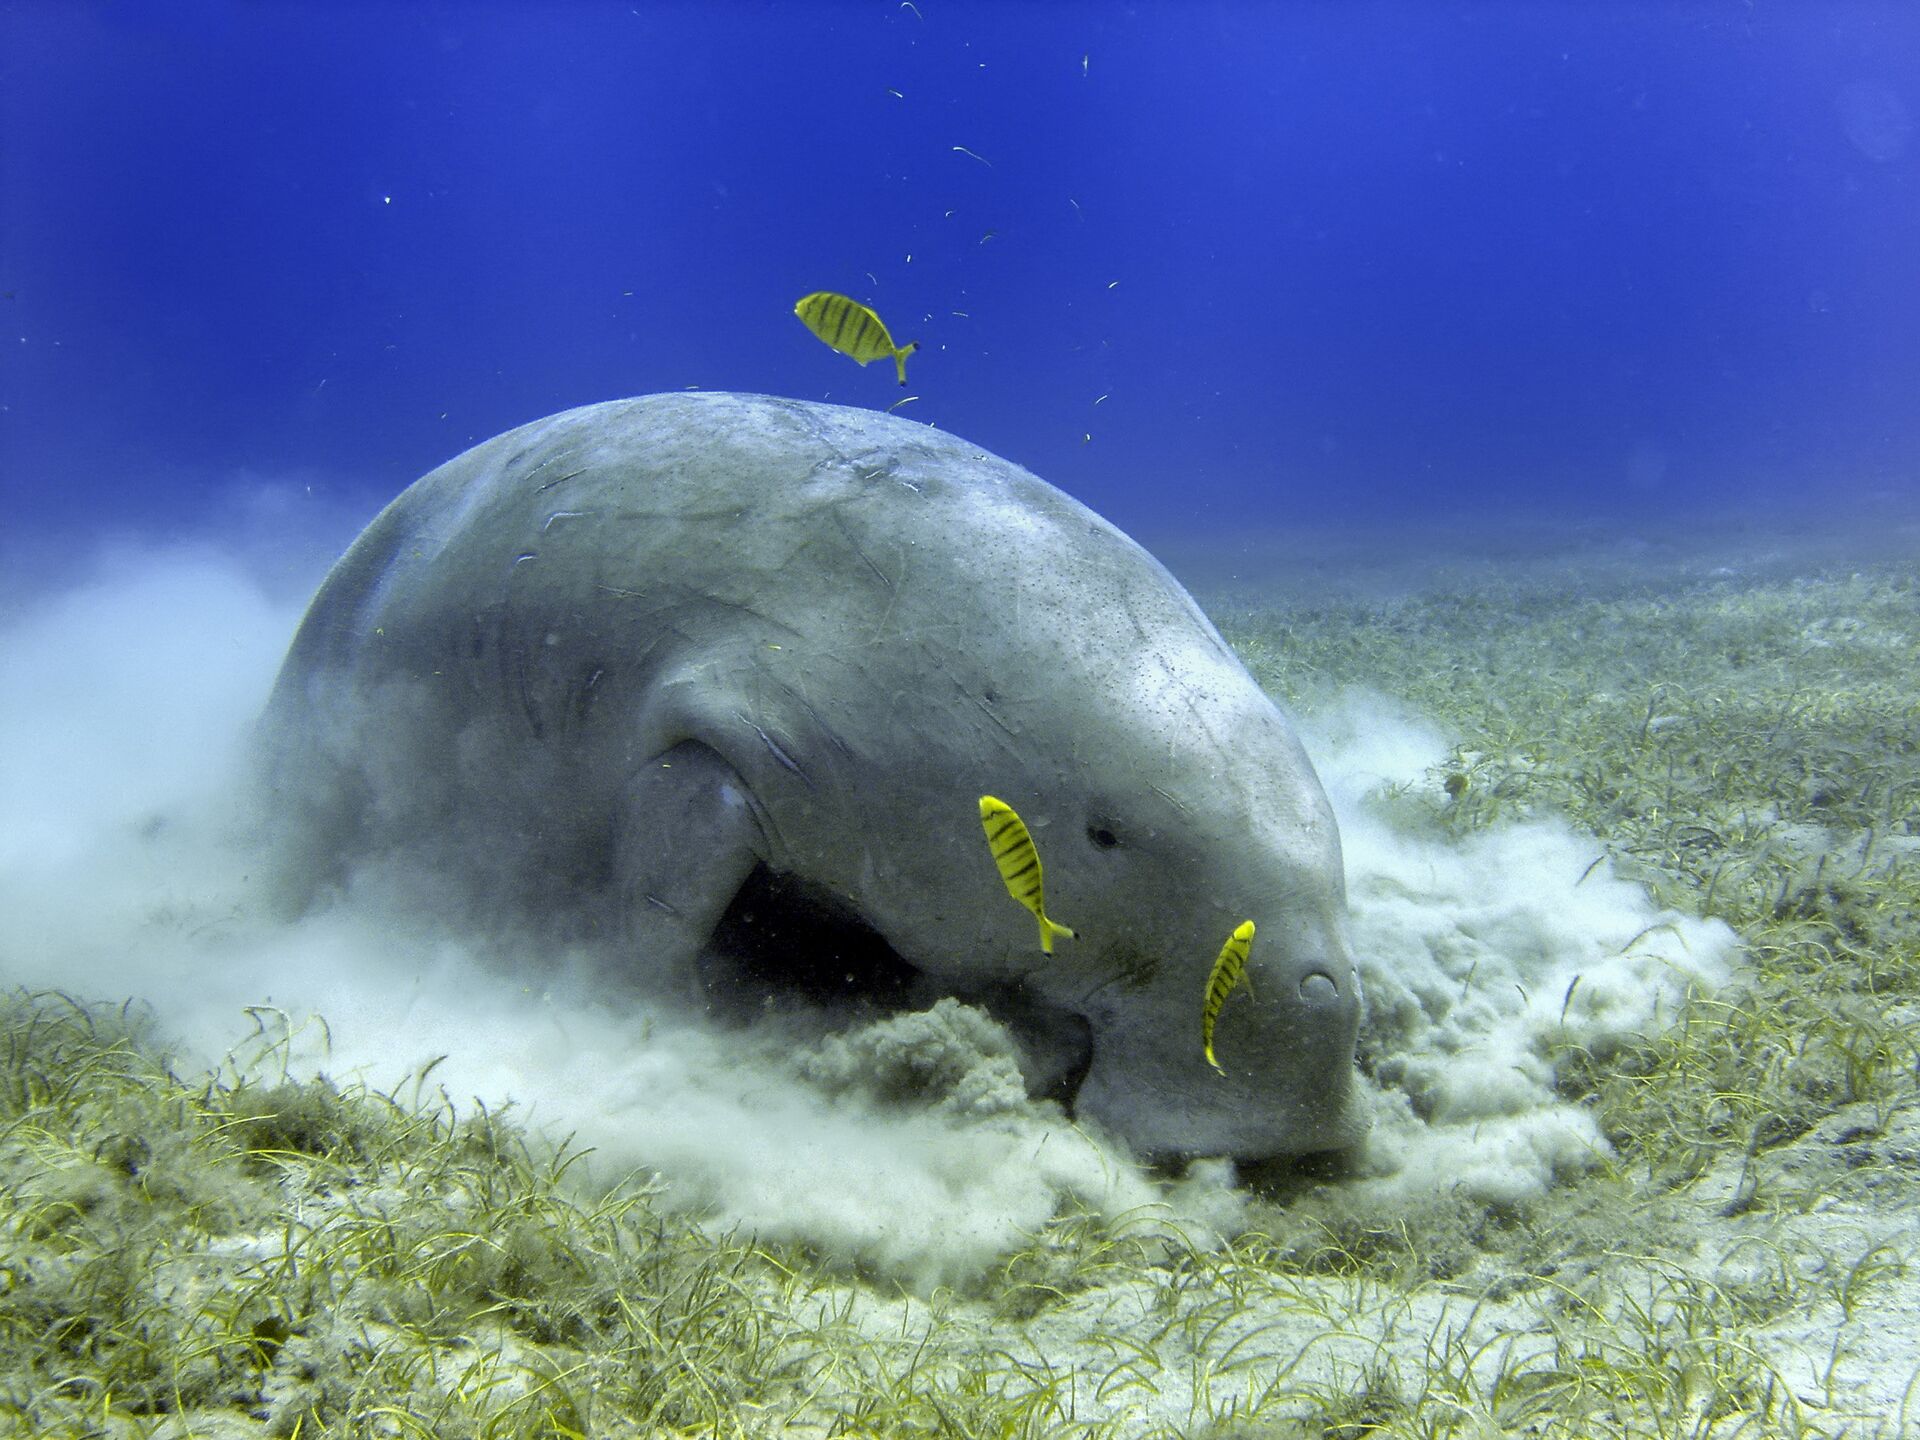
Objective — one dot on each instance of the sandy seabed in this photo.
(1631, 841)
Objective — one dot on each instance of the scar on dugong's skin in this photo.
(630, 660)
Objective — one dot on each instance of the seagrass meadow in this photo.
(249, 1249)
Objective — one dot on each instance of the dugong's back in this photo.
(682, 499)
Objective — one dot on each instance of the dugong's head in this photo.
(1204, 812)
(1188, 807)
(1169, 801)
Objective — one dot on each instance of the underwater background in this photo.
(1529, 392)
(1380, 261)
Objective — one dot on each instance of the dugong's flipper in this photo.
(686, 841)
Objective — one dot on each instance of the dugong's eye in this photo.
(1101, 836)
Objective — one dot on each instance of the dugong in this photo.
(627, 661)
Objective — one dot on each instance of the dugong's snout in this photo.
(1303, 1053)
(1285, 1042)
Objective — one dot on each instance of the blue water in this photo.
(1343, 262)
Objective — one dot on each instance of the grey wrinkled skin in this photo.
(627, 654)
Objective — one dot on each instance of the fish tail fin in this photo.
(1050, 930)
(900, 359)
(1211, 1061)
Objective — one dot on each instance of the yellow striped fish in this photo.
(852, 329)
(1019, 864)
(1226, 974)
